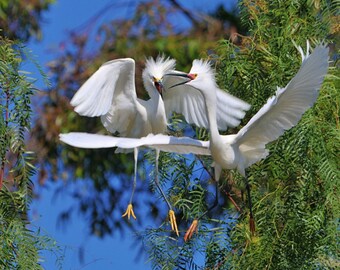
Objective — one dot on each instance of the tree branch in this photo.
(185, 12)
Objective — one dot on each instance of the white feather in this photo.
(285, 109)
(280, 113)
(114, 78)
(89, 141)
(189, 101)
(180, 145)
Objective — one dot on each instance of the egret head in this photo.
(201, 76)
(154, 72)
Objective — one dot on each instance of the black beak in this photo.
(185, 75)
(178, 74)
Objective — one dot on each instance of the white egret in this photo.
(280, 113)
(110, 93)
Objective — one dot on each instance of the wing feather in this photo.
(180, 145)
(110, 93)
(190, 103)
(165, 143)
(285, 109)
(113, 78)
(89, 141)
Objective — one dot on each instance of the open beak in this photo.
(159, 86)
(184, 75)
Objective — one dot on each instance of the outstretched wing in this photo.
(189, 102)
(180, 145)
(285, 109)
(172, 144)
(110, 93)
(113, 78)
(89, 141)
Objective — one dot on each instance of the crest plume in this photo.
(157, 68)
(202, 67)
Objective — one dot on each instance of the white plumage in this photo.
(284, 110)
(179, 145)
(189, 102)
(281, 112)
(110, 93)
(238, 151)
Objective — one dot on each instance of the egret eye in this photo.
(192, 76)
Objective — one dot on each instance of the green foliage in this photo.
(19, 244)
(21, 19)
(208, 248)
(295, 190)
(191, 193)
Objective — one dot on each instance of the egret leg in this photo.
(172, 216)
(251, 216)
(194, 225)
(129, 210)
(135, 155)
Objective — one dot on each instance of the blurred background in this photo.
(79, 195)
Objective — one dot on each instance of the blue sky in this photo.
(114, 252)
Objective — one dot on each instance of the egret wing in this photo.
(189, 102)
(285, 109)
(112, 79)
(165, 143)
(180, 145)
(110, 93)
(184, 100)
(89, 141)
(230, 109)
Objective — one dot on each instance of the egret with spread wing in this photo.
(110, 93)
(280, 113)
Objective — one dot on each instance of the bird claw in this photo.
(192, 229)
(129, 212)
(173, 222)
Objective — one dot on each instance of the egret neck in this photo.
(222, 151)
(157, 112)
(216, 142)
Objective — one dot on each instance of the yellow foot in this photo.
(192, 229)
(129, 212)
(173, 223)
